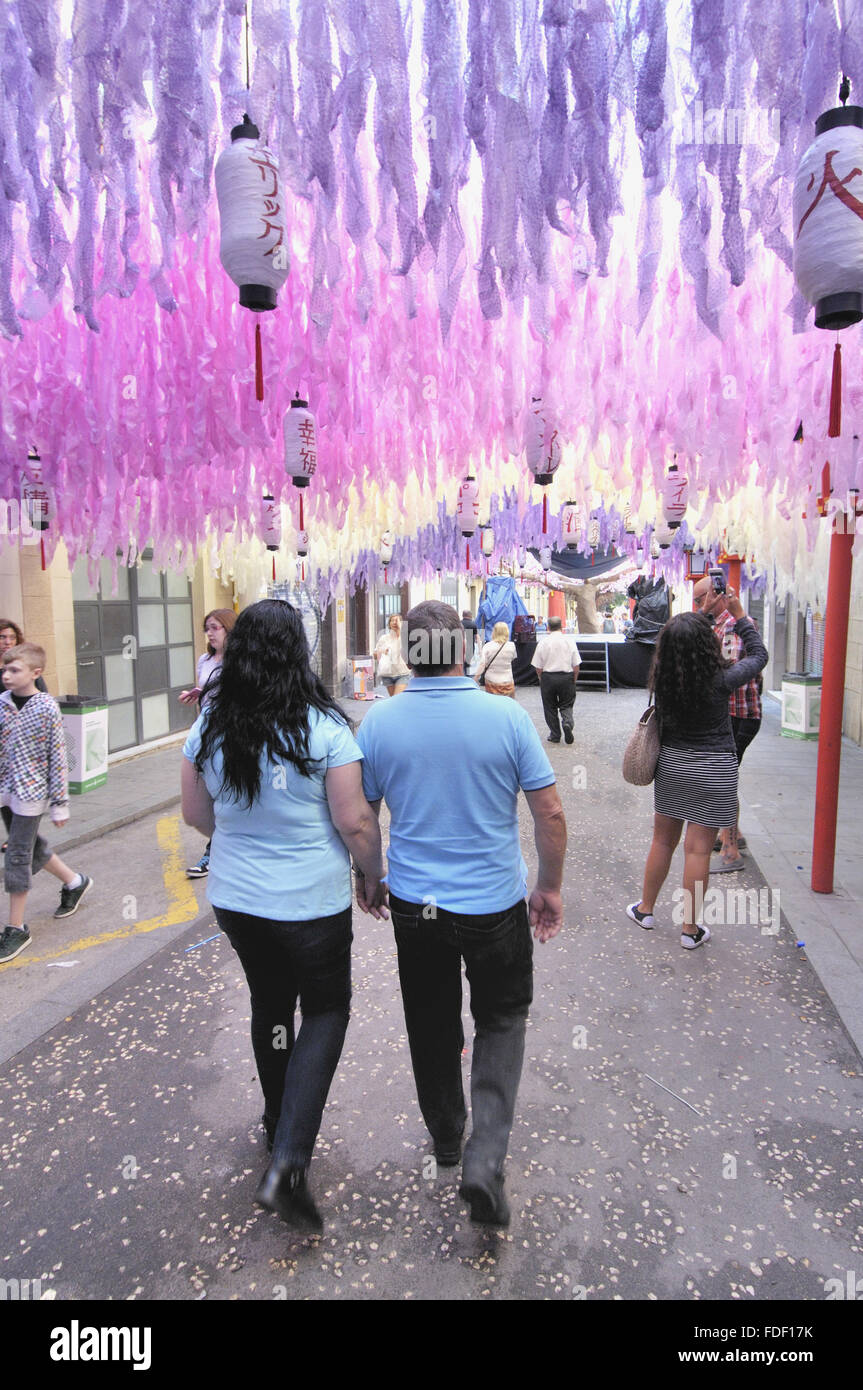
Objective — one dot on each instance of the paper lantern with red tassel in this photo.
(254, 241)
(541, 444)
(271, 525)
(301, 443)
(386, 553)
(467, 507)
(675, 495)
(38, 508)
(828, 229)
(487, 541)
(570, 524)
(301, 541)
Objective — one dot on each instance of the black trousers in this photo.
(558, 697)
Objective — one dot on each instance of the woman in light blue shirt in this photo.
(272, 771)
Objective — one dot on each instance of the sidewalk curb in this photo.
(62, 846)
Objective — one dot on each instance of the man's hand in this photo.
(735, 607)
(372, 896)
(546, 913)
(713, 604)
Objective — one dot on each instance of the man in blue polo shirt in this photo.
(449, 761)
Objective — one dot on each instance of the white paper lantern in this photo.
(545, 557)
(570, 524)
(593, 533)
(663, 535)
(386, 548)
(541, 444)
(254, 242)
(654, 548)
(628, 523)
(271, 521)
(467, 507)
(828, 219)
(301, 444)
(38, 507)
(487, 541)
(301, 541)
(675, 496)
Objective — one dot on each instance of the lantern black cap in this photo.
(297, 404)
(837, 311)
(837, 116)
(247, 131)
(258, 298)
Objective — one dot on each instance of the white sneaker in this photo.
(689, 943)
(644, 919)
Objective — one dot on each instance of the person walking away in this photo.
(557, 659)
(272, 772)
(393, 670)
(744, 706)
(217, 625)
(450, 903)
(470, 630)
(696, 776)
(496, 661)
(12, 636)
(33, 780)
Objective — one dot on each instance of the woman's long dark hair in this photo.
(687, 660)
(262, 703)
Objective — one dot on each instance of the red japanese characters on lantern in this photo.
(541, 443)
(253, 246)
(675, 496)
(467, 507)
(301, 447)
(570, 524)
(271, 521)
(37, 500)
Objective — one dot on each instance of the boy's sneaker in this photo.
(689, 943)
(12, 942)
(71, 897)
(201, 869)
(644, 919)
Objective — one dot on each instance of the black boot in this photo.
(285, 1191)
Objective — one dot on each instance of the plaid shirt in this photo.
(745, 701)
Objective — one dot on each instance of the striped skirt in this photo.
(697, 784)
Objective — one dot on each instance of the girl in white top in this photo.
(217, 625)
(496, 660)
(393, 670)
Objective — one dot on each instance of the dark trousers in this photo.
(744, 731)
(498, 954)
(558, 696)
(285, 962)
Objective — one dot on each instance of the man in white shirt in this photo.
(557, 660)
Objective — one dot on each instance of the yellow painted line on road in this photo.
(182, 901)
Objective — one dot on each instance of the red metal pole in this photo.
(734, 573)
(832, 700)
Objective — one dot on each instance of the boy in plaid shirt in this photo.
(33, 780)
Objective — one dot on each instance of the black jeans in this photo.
(558, 696)
(498, 956)
(284, 962)
(744, 731)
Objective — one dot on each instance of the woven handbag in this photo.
(642, 751)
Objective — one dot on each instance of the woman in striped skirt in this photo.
(696, 776)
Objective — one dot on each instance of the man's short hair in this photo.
(435, 638)
(554, 624)
(28, 653)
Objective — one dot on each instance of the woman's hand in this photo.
(735, 607)
(372, 896)
(188, 697)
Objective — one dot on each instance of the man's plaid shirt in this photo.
(745, 701)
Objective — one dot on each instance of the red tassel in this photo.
(274, 569)
(259, 364)
(544, 513)
(467, 555)
(42, 548)
(301, 512)
(386, 581)
(834, 429)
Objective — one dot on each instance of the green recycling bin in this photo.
(801, 705)
(85, 724)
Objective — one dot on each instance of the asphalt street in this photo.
(688, 1123)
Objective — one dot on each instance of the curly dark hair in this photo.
(685, 665)
(262, 702)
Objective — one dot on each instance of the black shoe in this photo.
(70, 898)
(13, 940)
(488, 1205)
(285, 1191)
(568, 736)
(448, 1155)
(551, 739)
(201, 869)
